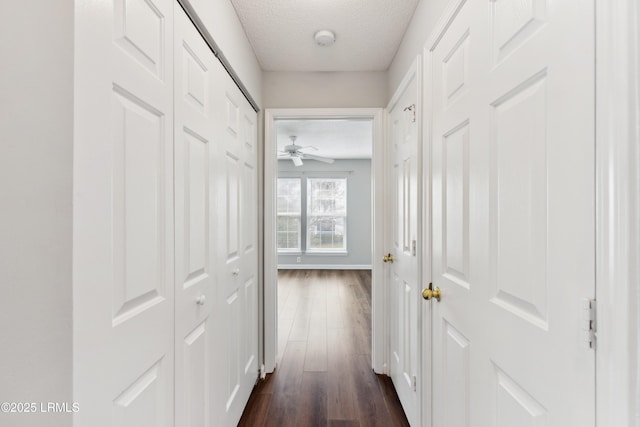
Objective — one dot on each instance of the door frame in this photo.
(269, 321)
(617, 212)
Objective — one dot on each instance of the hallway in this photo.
(324, 375)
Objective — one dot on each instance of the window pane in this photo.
(327, 196)
(288, 227)
(327, 233)
(326, 213)
(289, 195)
(288, 232)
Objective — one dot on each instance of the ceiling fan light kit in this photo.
(295, 153)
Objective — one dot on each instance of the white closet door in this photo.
(123, 214)
(197, 86)
(513, 214)
(238, 291)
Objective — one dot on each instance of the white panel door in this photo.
(197, 86)
(404, 283)
(123, 213)
(238, 289)
(512, 93)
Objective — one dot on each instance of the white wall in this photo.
(358, 211)
(224, 25)
(424, 19)
(324, 89)
(36, 134)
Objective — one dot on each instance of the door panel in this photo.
(511, 92)
(520, 236)
(232, 214)
(455, 376)
(240, 265)
(143, 399)
(196, 231)
(195, 381)
(455, 241)
(123, 214)
(404, 272)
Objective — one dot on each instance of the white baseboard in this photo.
(324, 267)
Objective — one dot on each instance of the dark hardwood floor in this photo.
(324, 375)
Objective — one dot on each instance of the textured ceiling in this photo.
(337, 139)
(368, 32)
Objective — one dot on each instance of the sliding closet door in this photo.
(123, 279)
(239, 258)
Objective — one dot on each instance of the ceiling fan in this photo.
(295, 153)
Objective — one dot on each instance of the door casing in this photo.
(617, 212)
(379, 327)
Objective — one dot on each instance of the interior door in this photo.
(123, 214)
(197, 154)
(405, 284)
(512, 92)
(239, 261)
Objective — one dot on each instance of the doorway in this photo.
(323, 239)
(323, 222)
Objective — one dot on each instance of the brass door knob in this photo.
(388, 258)
(431, 293)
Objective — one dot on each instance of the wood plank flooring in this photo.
(324, 375)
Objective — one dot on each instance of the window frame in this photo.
(304, 237)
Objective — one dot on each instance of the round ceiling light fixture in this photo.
(325, 38)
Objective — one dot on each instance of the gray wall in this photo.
(358, 211)
(36, 134)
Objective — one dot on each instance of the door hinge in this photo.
(589, 331)
(415, 383)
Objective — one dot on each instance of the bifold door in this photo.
(197, 228)
(216, 235)
(123, 214)
(151, 194)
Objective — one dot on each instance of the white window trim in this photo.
(326, 252)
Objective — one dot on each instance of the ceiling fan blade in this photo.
(297, 161)
(318, 158)
(308, 146)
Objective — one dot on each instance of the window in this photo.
(326, 214)
(289, 212)
(316, 205)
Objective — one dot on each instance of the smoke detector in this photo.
(324, 37)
